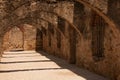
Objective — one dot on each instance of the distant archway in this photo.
(13, 40)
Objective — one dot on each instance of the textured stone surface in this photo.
(84, 33)
(20, 38)
(13, 40)
(114, 11)
(29, 37)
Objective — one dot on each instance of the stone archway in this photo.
(13, 40)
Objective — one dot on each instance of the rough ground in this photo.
(31, 65)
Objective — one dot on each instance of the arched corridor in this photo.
(84, 34)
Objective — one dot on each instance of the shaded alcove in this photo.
(98, 35)
(20, 38)
(39, 40)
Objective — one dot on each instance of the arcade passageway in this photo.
(84, 34)
(31, 65)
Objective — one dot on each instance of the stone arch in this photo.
(31, 22)
(111, 23)
(54, 14)
(72, 25)
(107, 20)
(14, 43)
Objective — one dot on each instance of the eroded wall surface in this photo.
(17, 39)
(85, 34)
(96, 50)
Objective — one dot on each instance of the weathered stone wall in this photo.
(13, 40)
(29, 37)
(101, 5)
(85, 39)
(55, 42)
(105, 62)
(114, 11)
(91, 51)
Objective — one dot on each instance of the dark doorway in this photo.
(39, 40)
(98, 33)
(72, 40)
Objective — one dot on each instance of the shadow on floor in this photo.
(9, 71)
(25, 61)
(16, 50)
(80, 72)
(19, 52)
(21, 56)
(63, 65)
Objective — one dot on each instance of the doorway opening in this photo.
(13, 40)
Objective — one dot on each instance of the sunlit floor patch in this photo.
(40, 66)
